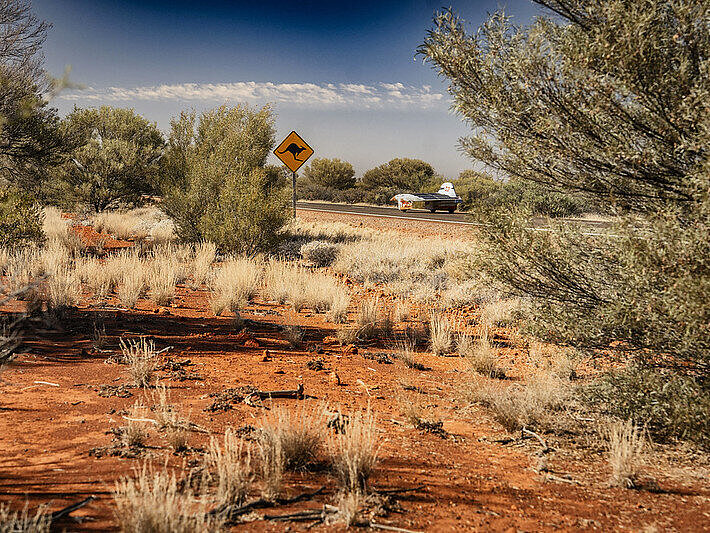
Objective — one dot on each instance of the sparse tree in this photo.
(220, 188)
(331, 173)
(608, 100)
(115, 161)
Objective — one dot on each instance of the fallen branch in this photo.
(47, 383)
(296, 394)
(398, 491)
(66, 511)
(262, 503)
(390, 528)
(164, 350)
(140, 420)
(545, 447)
(561, 479)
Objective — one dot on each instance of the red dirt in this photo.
(469, 481)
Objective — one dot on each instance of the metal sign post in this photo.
(293, 152)
(293, 190)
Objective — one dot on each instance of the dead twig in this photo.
(545, 447)
(66, 511)
(233, 512)
(390, 528)
(398, 491)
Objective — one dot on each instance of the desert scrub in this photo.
(517, 405)
(134, 433)
(24, 521)
(271, 464)
(230, 469)
(301, 434)
(152, 502)
(319, 253)
(236, 282)
(354, 452)
(440, 334)
(302, 288)
(163, 275)
(481, 355)
(205, 253)
(669, 405)
(141, 359)
(627, 448)
(63, 288)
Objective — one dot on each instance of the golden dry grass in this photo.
(627, 449)
(152, 503)
(230, 468)
(301, 433)
(440, 334)
(236, 281)
(354, 452)
(141, 359)
(24, 521)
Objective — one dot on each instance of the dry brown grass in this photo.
(236, 282)
(303, 288)
(301, 434)
(532, 404)
(152, 503)
(354, 452)
(205, 253)
(481, 355)
(440, 334)
(162, 276)
(135, 433)
(141, 359)
(229, 464)
(271, 465)
(63, 288)
(627, 450)
(132, 278)
(170, 421)
(24, 521)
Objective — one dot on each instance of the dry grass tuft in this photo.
(522, 405)
(64, 288)
(405, 353)
(303, 288)
(132, 286)
(134, 433)
(481, 355)
(627, 448)
(271, 464)
(367, 318)
(205, 253)
(440, 337)
(301, 434)
(235, 283)
(354, 452)
(153, 503)
(141, 359)
(230, 466)
(24, 521)
(163, 275)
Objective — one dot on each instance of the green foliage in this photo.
(668, 405)
(115, 161)
(610, 106)
(20, 219)
(331, 173)
(216, 184)
(405, 174)
(30, 139)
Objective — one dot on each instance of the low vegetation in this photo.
(627, 448)
(354, 452)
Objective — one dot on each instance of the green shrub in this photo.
(116, 160)
(668, 405)
(21, 219)
(330, 173)
(216, 184)
(402, 174)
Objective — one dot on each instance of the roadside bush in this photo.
(330, 173)
(216, 186)
(670, 406)
(319, 253)
(401, 173)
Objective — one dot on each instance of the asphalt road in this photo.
(421, 214)
(386, 212)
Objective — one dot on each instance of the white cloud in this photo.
(311, 95)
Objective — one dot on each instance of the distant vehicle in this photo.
(445, 200)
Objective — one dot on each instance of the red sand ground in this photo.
(469, 481)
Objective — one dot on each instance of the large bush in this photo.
(216, 185)
(402, 173)
(115, 161)
(330, 173)
(608, 101)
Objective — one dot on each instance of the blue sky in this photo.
(342, 74)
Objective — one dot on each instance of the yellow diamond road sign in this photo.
(293, 151)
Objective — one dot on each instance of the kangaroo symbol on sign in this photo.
(294, 150)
